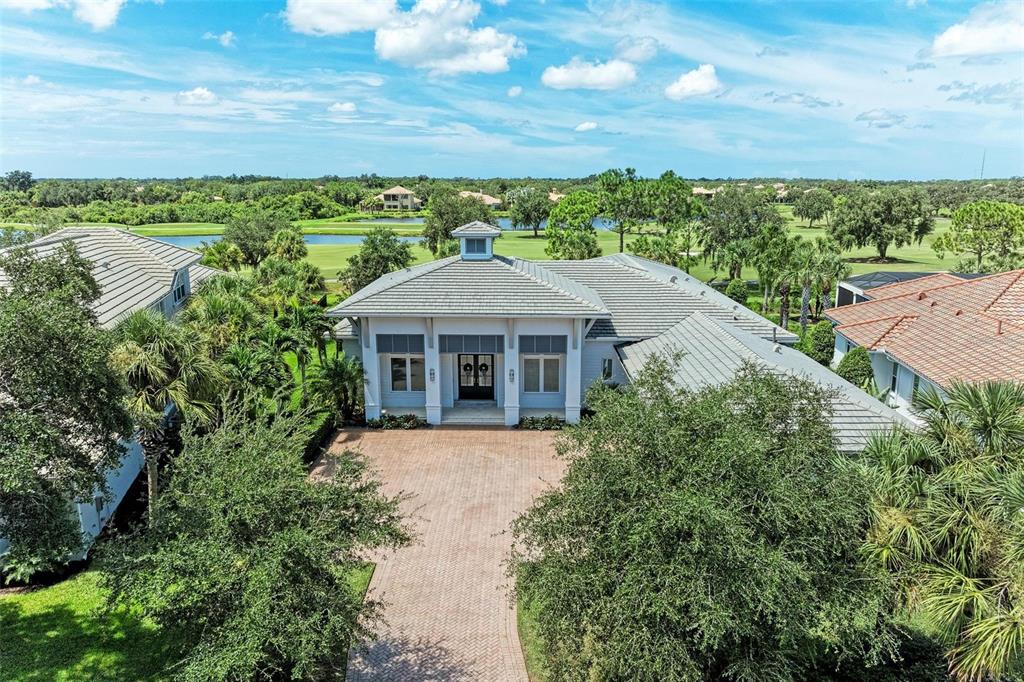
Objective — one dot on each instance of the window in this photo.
(917, 385)
(407, 373)
(179, 293)
(399, 343)
(472, 343)
(607, 367)
(540, 374)
(542, 344)
(476, 246)
(895, 375)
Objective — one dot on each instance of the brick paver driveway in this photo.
(447, 611)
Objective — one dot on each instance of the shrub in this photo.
(397, 421)
(548, 422)
(855, 367)
(737, 291)
(820, 342)
(319, 427)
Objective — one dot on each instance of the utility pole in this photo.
(982, 176)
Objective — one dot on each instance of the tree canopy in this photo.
(702, 536)
(448, 211)
(991, 233)
(570, 232)
(380, 253)
(882, 218)
(814, 204)
(253, 558)
(252, 233)
(528, 207)
(730, 223)
(61, 415)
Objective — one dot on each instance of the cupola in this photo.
(476, 240)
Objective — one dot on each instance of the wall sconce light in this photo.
(511, 376)
(433, 375)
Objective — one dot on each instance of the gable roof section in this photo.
(644, 299)
(477, 228)
(711, 351)
(968, 330)
(452, 287)
(397, 189)
(133, 272)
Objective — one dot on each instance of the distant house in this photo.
(486, 199)
(398, 198)
(555, 196)
(479, 338)
(133, 273)
(933, 329)
(705, 193)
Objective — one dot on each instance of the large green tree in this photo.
(814, 204)
(571, 234)
(676, 210)
(448, 211)
(702, 536)
(254, 558)
(528, 207)
(984, 230)
(252, 232)
(882, 218)
(948, 523)
(731, 222)
(626, 199)
(380, 253)
(61, 415)
(165, 366)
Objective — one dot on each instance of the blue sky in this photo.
(888, 89)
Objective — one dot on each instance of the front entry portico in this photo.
(476, 376)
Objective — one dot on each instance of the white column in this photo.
(511, 375)
(574, 372)
(432, 360)
(371, 370)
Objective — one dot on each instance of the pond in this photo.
(194, 241)
(503, 223)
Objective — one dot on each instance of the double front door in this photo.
(476, 376)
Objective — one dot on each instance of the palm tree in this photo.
(829, 269)
(220, 318)
(946, 522)
(256, 370)
(223, 255)
(308, 326)
(165, 367)
(338, 384)
(289, 245)
(800, 270)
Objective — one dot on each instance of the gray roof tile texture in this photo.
(133, 272)
(710, 351)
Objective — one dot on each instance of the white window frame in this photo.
(541, 357)
(408, 357)
(607, 368)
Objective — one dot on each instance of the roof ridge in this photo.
(423, 268)
(139, 243)
(1013, 280)
(892, 327)
(510, 263)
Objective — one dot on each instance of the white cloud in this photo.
(226, 39)
(342, 108)
(636, 50)
(320, 18)
(585, 126)
(700, 81)
(881, 118)
(32, 79)
(515, 91)
(990, 28)
(198, 96)
(437, 35)
(613, 74)
(100, 14)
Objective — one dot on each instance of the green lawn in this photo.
(529, 640)
(60, 633)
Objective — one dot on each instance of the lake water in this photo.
(503, 223)
(194, 241)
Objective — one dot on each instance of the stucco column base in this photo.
(434, 414)
(511, 415)
(572, 414)
(373, 411)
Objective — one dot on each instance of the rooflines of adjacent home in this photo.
(945, 328)
(397, 189)
(708, 352)
(133, 272)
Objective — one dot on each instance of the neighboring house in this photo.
(857, 289)
(398, 198)
(486, 199)
(480, 338)
(555, 196)
(133, 273)
(936, 329)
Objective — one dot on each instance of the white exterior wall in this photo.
(93, 516)
(595, 351)
(842, 347)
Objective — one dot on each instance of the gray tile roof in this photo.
(477, 228)
(197, 274)
(453, 287)
(647, 298)
(133, 272)
(710, 351)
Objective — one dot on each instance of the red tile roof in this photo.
(946, 330)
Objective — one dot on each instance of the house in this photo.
(398, 198)
(486, 199)
(935, 329)
(133, 273)
(554, 196)
(481, 338)
(856, 289)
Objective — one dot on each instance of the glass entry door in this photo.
(476, 376)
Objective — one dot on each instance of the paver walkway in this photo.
(447, 612)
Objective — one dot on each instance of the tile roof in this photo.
(453, 287)
(708, 352)
(913, 285)
(645, 298)
(133, 272)
(967, 330)
(397, 189)
(477, 228)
